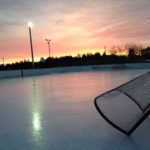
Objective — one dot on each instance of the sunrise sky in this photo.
(74, 26)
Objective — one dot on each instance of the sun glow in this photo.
(87, 51)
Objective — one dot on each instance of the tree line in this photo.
(134, 54)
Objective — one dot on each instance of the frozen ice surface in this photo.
(57, 112)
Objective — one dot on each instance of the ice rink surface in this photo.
(57, 112)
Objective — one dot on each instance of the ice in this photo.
(57, 112)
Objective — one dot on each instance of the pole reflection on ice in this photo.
(36, 122)
(36, 111)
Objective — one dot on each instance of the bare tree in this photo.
(117, 50)
(134, 49)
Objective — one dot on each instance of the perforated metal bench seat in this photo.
(126, 106)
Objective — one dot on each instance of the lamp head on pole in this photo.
(48, 41)
(30, 24)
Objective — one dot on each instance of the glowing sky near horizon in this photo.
(73, 26)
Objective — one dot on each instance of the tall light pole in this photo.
(49, 48)
(30, 25)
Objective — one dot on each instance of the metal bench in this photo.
(126, 106)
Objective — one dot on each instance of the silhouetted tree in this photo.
(146, 53)
(131, 53)
(134, 49)
(135, 54)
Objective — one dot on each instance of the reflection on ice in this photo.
(36, 112)
(36, 122)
